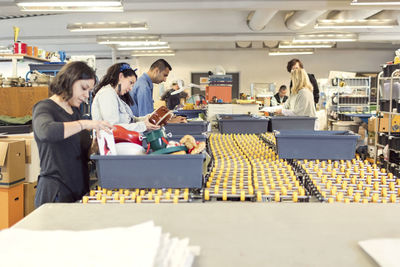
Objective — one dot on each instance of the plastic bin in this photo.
(316, 144)
(192, 128)
(291, 123)
(194, 113)
(383, 139)
(200, 138)
(150, 171)
(394, 142)
(385, 105)
(242, 123)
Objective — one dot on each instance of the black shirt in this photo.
(172, 100)
(64, 160)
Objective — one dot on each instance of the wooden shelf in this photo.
(22, 56)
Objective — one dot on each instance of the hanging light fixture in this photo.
(306, 44)
(159, 53)
(287, 52)
(70, 6)
(374, 2)
(107, 26)
(356, 24)
(326, 37)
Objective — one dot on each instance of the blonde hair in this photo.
(300, 80)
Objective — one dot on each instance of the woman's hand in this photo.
(150, 126)
(96, 125)
(278, 112)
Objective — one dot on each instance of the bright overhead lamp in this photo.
(151, 47)
(107, 26)
(325, 37)
(356, 24)
(70, 6)
(306, 45)
(374, 3)
(130, 40)
(289, 52)
(160, 53)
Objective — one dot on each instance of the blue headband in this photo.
(126, 67)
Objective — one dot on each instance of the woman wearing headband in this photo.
(112, 100)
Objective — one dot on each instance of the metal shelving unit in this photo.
(395, 77)
(353, 97)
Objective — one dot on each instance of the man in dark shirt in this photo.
(297, 64)
(173, 100)
(280, 97)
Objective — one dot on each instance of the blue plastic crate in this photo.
(190, 114)
(291, 123)
(242, 123)
(150, 171)
(192, 128)
(334, 145)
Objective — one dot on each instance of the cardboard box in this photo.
(11, 205)
(384, 123)
(371, 124)
(29, 197)
(32, 160)
(12, 162)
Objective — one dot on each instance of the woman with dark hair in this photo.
(112, 99)
(62, 137)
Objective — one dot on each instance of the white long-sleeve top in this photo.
(301, 104)
(109, 107)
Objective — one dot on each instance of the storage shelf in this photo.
(387, 112)
(22, 56)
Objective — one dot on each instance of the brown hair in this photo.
(112, 78)
(300, 80)
(68, 75)
(293, 62)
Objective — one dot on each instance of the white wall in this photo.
(254, 66)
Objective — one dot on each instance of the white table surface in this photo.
(244, 234)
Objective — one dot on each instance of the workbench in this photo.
(243, 234)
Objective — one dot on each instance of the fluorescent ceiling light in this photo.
(107, 26)
(70, 6)
(287, 52)
(356, 24)
(130, 40)
(326, 37)
(161, 53)
(374, 3)
(155, 47)
(306, 45)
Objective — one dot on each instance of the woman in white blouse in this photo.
(301, 100)
(112, 100)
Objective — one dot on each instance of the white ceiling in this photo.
(191, 24)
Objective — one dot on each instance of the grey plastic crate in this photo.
(192, 127)
(241, 123)
(150, 171)
(334, 145)
(291, 123)
(200, 138)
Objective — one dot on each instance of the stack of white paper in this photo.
(384, 251)
(139, 245)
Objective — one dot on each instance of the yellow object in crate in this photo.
(188, 106)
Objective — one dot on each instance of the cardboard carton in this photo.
(29, 197)
(11, 205)
(32, 160)
(12, 162)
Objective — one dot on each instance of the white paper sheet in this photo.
(138, 245)
(385, 251)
